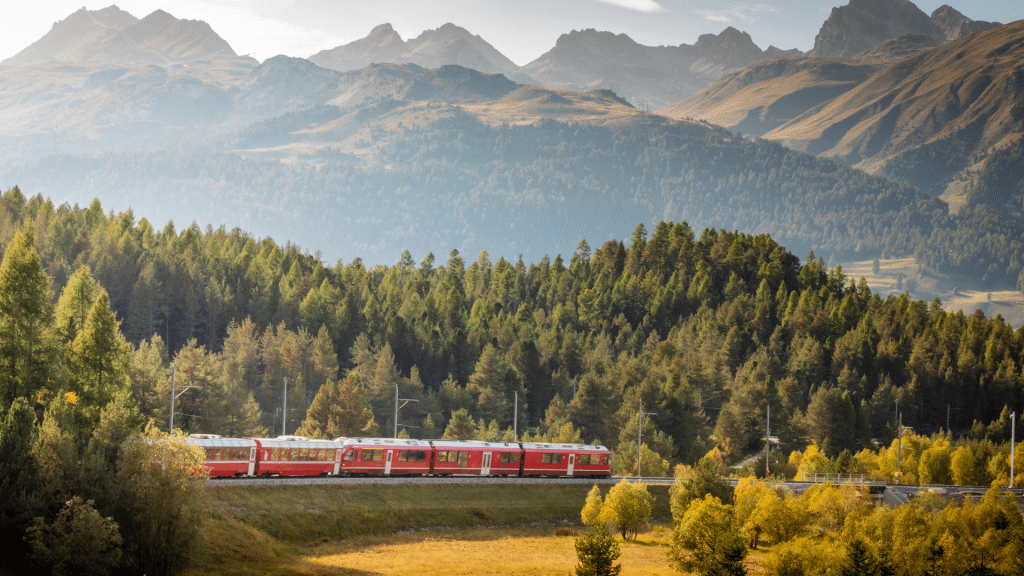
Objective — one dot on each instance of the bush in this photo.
(80, 542)
(597, 553)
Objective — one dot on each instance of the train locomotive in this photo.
(300, 456)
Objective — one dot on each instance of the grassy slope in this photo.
(956, 292)
(273, 530)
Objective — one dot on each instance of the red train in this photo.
(299, 456)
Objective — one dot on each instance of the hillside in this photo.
(928, 119)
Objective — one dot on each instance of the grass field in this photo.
(897, 275)
(529, 550)
(345, 529)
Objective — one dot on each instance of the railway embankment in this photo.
(257, 529)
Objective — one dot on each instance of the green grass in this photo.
(267, 530)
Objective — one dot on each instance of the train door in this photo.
(485, 466)
(337, 461)
(252, 461)
(387, 463)
(572, 463)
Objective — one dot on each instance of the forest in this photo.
(707, 329)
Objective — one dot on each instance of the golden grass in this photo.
(511, 551)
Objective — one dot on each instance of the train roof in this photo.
(475, 444)
(216, 440)
(398, 442)
(295, 441)
(558, 446)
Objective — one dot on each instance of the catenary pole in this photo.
(170, 428)
(284, 410)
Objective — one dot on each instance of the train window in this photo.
(463, 458)
(442, 456)
(372, 455)
(304, 455)
(412, 456)
(509, 458)
(550, 458)
(350, 455)
(583, 459)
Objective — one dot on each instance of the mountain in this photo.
(114, 36)
(863, 24)
(955, 25)
(449, 44)
(929, 119)
(648, 76)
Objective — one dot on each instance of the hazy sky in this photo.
(521, 29)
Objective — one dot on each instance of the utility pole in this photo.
(1013, 442)
(640, 434)
(170, 427)
(899, 451)
(284, 410)
(404, 402)
(174, 395)
(515, 420)
(767, 439)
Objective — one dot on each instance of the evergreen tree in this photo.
(26, 320)
(18, 480)
(597, 552)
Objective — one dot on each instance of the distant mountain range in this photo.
(113, 36)
(426, 155)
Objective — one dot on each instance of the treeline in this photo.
(706, 329)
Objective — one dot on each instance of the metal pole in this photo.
(284, 410)
(639, 435)
(899, 452)
(767, 439)
(1013, 442)
(170, 428)
(396, 411)
(515, 420)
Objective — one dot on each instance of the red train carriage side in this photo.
(227, 456)
(543, 459)
(297, 456)
(476, 458)
(385, 456)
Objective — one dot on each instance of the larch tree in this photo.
(102, 358)
(18, 478)
(339, 409)
(26, 319)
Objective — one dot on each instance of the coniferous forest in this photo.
(706, 327)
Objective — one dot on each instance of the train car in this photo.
(227, 456)
(385, 456)
(297, 456)
(476, 458)
(545, 459)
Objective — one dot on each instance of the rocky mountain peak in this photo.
(862, 24)
(955, 25)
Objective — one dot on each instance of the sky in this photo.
(521, 29)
